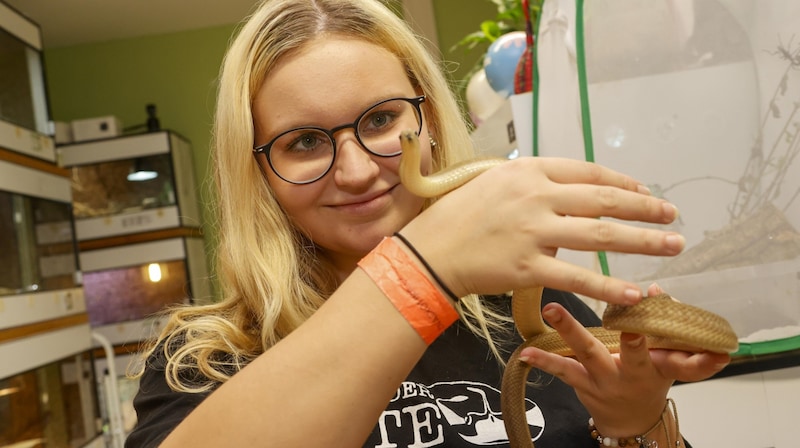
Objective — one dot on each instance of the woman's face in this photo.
(330, 82)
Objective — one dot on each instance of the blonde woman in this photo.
(331, 331)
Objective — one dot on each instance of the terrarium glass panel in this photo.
(122, 186)
(699, 101)
(52, 406)
(22, 95)
(133, 293)
(37, 247)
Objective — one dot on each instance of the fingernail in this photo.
(644, 190)
(632, 296)
(526, 356)
(551, 315)
(671, 211)
(675, 242)
(636, 342)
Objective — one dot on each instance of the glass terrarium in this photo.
(38, 248)
(131, 184)
(123, 186)
(698, 100)
(52, 406)
(147, 289)
(133, 282)
(23, 106)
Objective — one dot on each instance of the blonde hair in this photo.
(272, 278)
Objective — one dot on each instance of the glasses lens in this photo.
(380, 127)
(301, 155)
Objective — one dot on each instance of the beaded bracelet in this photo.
(640, 441)
(420, 302)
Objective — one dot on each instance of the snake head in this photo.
(409, 137)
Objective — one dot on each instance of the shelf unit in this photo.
(141, 248)
(45, 336)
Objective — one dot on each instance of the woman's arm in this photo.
(324, 385)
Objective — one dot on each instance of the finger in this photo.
(602, 200)
(589, 234)
(566, 369)
(586, 348)
(565, 276)
(688, 367)
(654, 290)
(567, 171)
(634, 355)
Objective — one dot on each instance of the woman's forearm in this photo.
(324, 385)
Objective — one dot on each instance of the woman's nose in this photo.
(354, 166)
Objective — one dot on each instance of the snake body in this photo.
(666, 322)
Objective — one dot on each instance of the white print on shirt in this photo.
(418, 414)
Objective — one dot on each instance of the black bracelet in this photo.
(427, 266)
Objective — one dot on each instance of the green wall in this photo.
(454, 20)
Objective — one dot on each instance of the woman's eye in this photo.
(379, 120)
(305, 142)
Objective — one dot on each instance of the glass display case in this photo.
(112, 188)
(148, 289)
(699, 102)
(24, 120)
(134, 281)
(37, 248)
(47, 386)
(131, 184)
(54, 405)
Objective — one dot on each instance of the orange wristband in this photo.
(425, 308)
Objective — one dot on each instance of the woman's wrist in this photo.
(438, 252)
(434, 276)
(665, 431)
(409, 288)
(632, 418)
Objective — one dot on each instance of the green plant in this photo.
(510, 17)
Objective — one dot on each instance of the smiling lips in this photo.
(365, 204)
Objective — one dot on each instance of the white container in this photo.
(96, 128)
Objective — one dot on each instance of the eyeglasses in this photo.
(306, 154)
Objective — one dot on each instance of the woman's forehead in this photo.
(326, 79)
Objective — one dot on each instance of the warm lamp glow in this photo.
(8, 391)
(154, 272)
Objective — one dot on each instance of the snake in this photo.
(665, 322)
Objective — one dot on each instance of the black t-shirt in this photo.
(450, 399)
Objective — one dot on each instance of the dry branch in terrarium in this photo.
(763, 237)
(758, 231)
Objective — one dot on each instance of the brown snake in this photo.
(666, 322)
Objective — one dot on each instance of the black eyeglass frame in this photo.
(266, 148)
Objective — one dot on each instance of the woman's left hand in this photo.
(625, 393)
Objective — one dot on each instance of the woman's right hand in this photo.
(501, 230)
